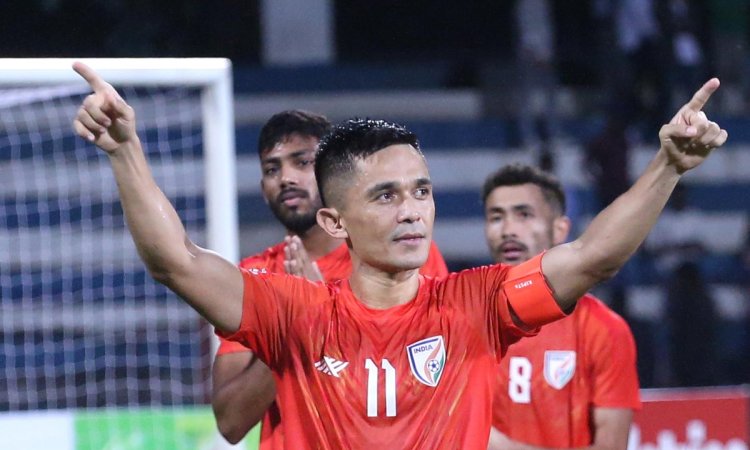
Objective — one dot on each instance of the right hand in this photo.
(103, 118)
(690, 137)
(297, 261)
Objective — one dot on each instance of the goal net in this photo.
(82, 324)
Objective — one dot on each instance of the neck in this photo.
(318, 243)
(382, 290)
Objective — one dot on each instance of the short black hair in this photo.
(518, 174)
(294, 121)
(353, 140)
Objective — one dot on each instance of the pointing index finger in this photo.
(703, 94)
(92, 78)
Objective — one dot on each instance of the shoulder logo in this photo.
(427, 360)
(559, 367)
(331, 366)
(257, 271)
(523, 284)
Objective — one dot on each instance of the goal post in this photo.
(82, 325)
(212, 75)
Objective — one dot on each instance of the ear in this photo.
(560, 229)
(330, 220)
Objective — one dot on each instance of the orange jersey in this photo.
(549, 383)
(419, 375)
(335, 265)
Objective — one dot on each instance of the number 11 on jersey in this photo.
(373, 373)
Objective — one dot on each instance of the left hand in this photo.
(690, 137)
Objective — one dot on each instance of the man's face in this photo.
(288, 182)
(520, 224)
(388, 209)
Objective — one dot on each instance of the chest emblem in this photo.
(559, 367)
(427, 360)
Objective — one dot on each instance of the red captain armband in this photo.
(529, 294)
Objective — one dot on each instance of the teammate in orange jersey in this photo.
(243, 386)
(387, 358)
(575, 384)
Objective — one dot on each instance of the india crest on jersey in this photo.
(427, 359)
(559, 367)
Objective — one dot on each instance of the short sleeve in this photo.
(488, 297)
(615, 376)
(529, 295)
(263, 260)
(257, 262)
(226, 346)
(270, 304)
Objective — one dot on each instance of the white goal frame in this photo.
(214, 78)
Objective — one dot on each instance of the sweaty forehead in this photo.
(398, 164)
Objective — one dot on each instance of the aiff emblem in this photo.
(427, 360)
(559, 367)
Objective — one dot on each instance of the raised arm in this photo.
(615, 233)
(210, 284)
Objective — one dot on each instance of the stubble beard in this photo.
(297, 223)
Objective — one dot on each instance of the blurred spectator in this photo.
(610, 61)
(537, 111)
(676, 237)
(649, 338)
(683, 25)
(736, 363)
(733, 334)
(676, 248)
(607, 160)
(721, 29)
(692, 318)
(641, 87)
